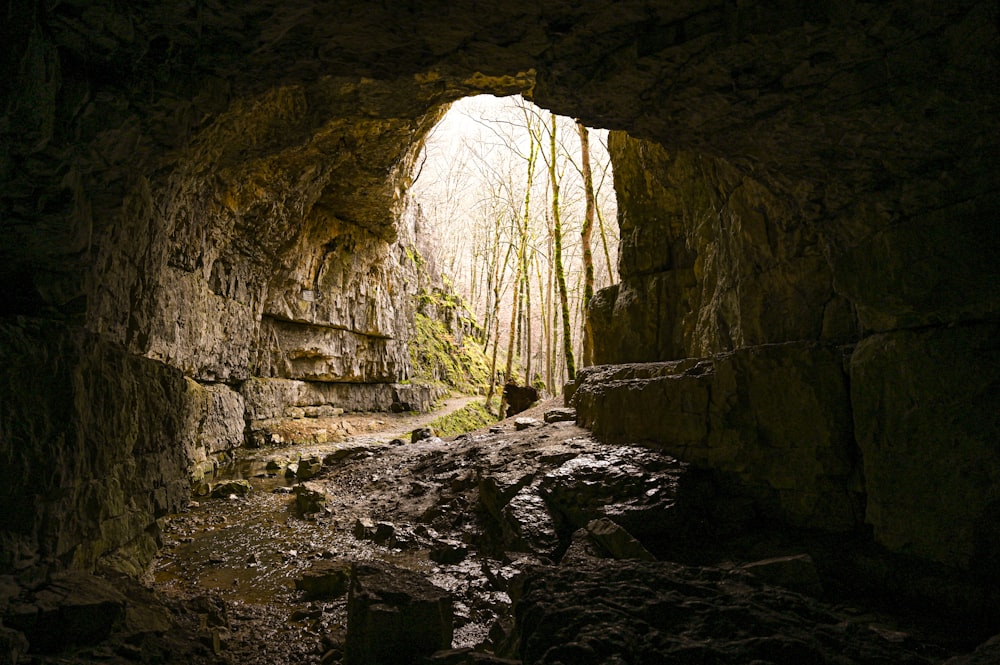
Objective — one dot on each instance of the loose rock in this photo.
(308, 468)
(526, 423)
(394, 616)
(420, 434)
(231, 487)
(560, 415)
(797, 572)
(616, 541)
(325, 579)
(309, 498)
(448, 552)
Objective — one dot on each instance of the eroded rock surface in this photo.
(776, 417)
(633, 612)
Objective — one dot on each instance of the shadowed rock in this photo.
(394, 616)
(600, 612)
(519, 398)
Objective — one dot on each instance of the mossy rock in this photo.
(470, 417)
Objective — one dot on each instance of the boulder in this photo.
(448, 552)
(420, 434)
(308, 468)
(559, 415)
(74, 609)
(394, 616)
(325, 579)
(777, 418)
(521, 424)
(519, 398)
(309, 498)
(364, 528)
(230, 488)
(528, 525)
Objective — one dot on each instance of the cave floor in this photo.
(249, 550)
(401, 504)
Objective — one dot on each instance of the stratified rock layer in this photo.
(776, 417)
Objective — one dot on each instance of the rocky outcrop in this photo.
(775, 417)
(214, 427)
(633, 612)
(90, 436)
(712, 259)
(927, 416)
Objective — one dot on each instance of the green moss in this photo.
(437, 358)
(414, 256)
(470, 417)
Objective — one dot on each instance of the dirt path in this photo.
(307, 437)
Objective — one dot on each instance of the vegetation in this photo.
(519, 246)
(437, 357)
(469, 417)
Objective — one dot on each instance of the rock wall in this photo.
(712, 259)
(775, 417)
(889, 249)
(93, 440)
(927, 416)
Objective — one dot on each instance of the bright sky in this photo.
(483, 141)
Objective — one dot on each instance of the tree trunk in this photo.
(585, 234)
(557, 239)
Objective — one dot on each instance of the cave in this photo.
(204, 223)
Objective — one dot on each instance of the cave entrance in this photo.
(501, 209)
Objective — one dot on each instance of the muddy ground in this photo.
(553, 548)
(470, 514)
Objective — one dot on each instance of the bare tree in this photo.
(585, 234)
(557, 242)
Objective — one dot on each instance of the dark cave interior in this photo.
(808, 304)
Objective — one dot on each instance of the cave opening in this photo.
(202, 212)
(486, 213)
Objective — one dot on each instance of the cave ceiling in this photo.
(121, 107)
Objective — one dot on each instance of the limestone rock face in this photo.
(89, 435)
(318, 353)
(712, 259)
(215, 424)
(927, 416)
(776, 417)
(269, 398)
